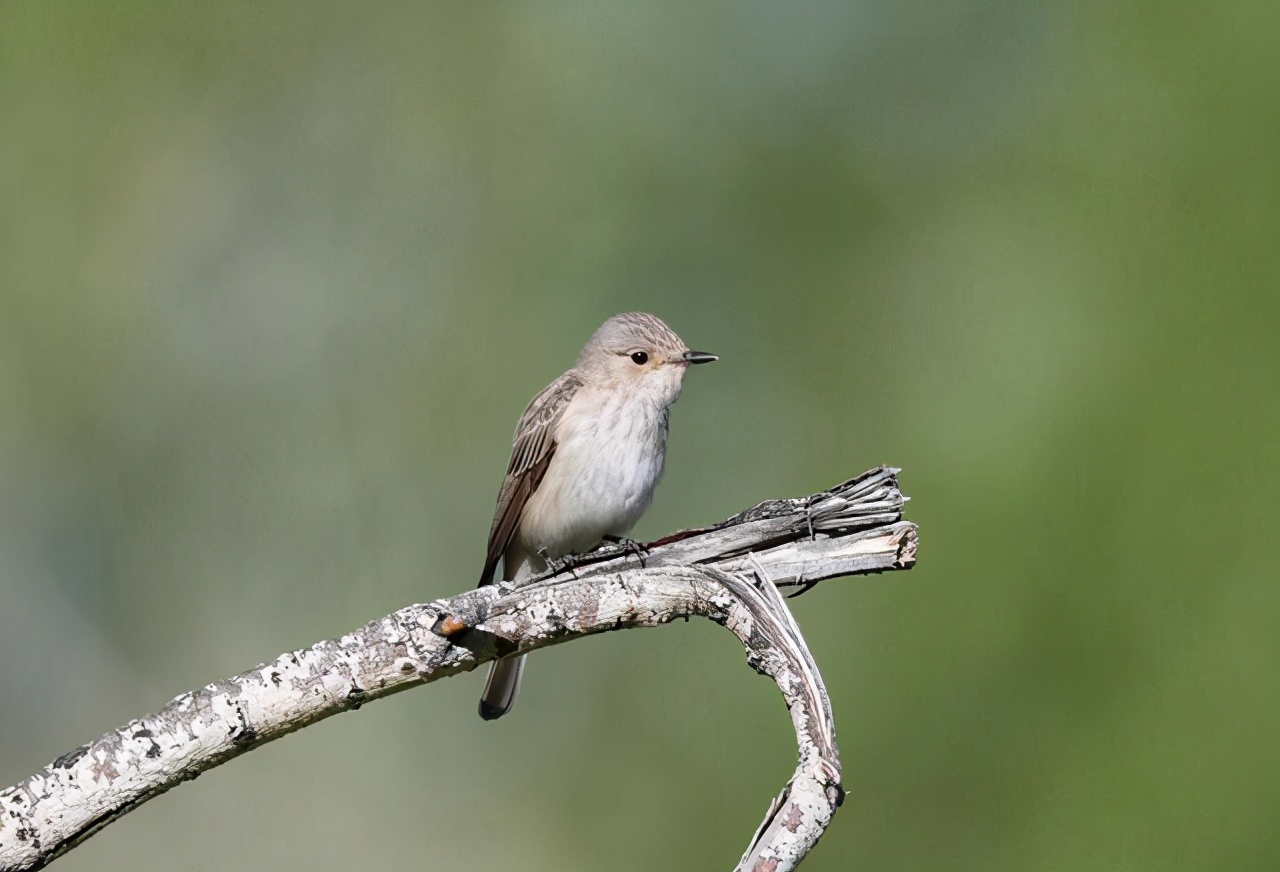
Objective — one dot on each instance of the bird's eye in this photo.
(639, 358)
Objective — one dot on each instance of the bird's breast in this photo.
(608, 460)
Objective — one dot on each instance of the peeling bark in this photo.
(729, 573)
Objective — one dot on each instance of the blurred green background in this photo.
(276, 281)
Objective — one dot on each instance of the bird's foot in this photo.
(808, 517)
(557, 565)
(631, 545)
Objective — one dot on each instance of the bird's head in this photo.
(639, 353)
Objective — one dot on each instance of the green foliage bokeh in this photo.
(277, 279)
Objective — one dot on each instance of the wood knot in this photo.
(356, 697)
(449, 625)
(67, 760)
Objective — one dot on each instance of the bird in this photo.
(585, 460)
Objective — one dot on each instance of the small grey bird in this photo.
(587, 456)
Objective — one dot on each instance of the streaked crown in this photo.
(621, 333)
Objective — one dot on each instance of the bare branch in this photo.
(729, 573)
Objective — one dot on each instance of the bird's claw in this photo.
(557, 565)
(633, 546)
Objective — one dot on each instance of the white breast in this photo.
(609, 456)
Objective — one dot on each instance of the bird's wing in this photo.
(530, 456)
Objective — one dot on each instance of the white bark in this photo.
(727, 573)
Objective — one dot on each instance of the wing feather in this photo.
(534, 445)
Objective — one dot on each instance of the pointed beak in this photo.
(698, 357)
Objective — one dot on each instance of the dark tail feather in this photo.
(500, 690)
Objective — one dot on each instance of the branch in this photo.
(729, 573)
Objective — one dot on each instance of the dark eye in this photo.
(639, 357)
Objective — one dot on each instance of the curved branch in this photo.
(727, 573)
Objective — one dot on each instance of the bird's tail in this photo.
(500, 690)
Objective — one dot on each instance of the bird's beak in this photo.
(698, 357)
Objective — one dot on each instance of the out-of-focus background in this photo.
(276, 281)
